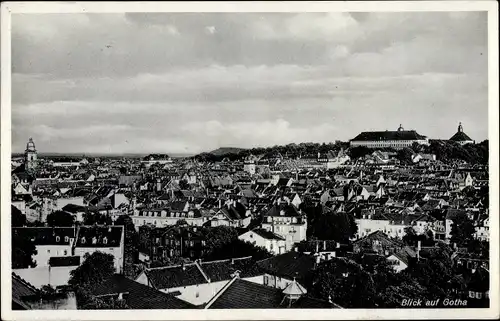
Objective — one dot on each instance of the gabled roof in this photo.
(388, 135)
(242, 294)
(139, 296)
(175, 276)
(223, 269)
(46, 235)
(289, 265)
(21, 289)
(460, 137)
(105, 236)
(268, 235)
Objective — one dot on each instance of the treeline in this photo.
(291, 151)
(445, 151)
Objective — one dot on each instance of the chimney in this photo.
(317, 246)
(183, 267)
(318, 259)
(324, 245)
(220, 203)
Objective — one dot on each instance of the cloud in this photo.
(189, 81)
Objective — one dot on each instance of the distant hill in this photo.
(226, 150)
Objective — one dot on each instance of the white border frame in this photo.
(7, 9)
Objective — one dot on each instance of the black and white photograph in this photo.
(259, 160)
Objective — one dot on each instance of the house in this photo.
(56, 273)
(242, 294)
(233, 214)
(137, 295)
(483, 229)
(48, 241)
(25, 296)
(178, 241)
(106, 239)
(287, 221)
(377, 242)
(198, 282)
(282, 269)
(272, 242)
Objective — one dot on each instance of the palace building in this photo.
(389, 139)
(461, 137)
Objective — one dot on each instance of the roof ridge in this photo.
(28, 284)
(170, 266)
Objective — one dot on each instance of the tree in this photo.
(23, 250)
(344, 282)
(359, 151)
(462, 230)
(335, 226)
(18, 218)
(60, 219)
(131, 243)
(405, 156)
(96, 268)
(218, 236)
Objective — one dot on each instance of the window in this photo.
(197, 294)
(105, 240)
(251, 236)
(266, 280)
(65, 252)
(66, 239)
(48, 251)
(83, 240)
(94, 240)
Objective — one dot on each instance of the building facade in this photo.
(389, 139)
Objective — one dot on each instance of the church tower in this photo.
(30, 155)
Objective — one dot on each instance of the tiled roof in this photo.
(289, 210)
(289, 265)
(267, 234)
(242, 294)
(389, 135)
(139, 296)
(21, 289)
(46, 235)
(64, 261)
(222, 270)
(175, 276)
(460, 137)
(105, 236)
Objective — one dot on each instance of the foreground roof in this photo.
(242, 294)
(139, 296)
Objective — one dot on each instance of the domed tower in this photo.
(30, 155)
(400, 129)
(461, 137)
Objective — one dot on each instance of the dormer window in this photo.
(66, 239)
(105, 240)
(94, 240)
(83, 240)
(58, 239)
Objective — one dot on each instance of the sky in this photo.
(193, 82)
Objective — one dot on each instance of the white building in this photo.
(272, 242)
(389, 139)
